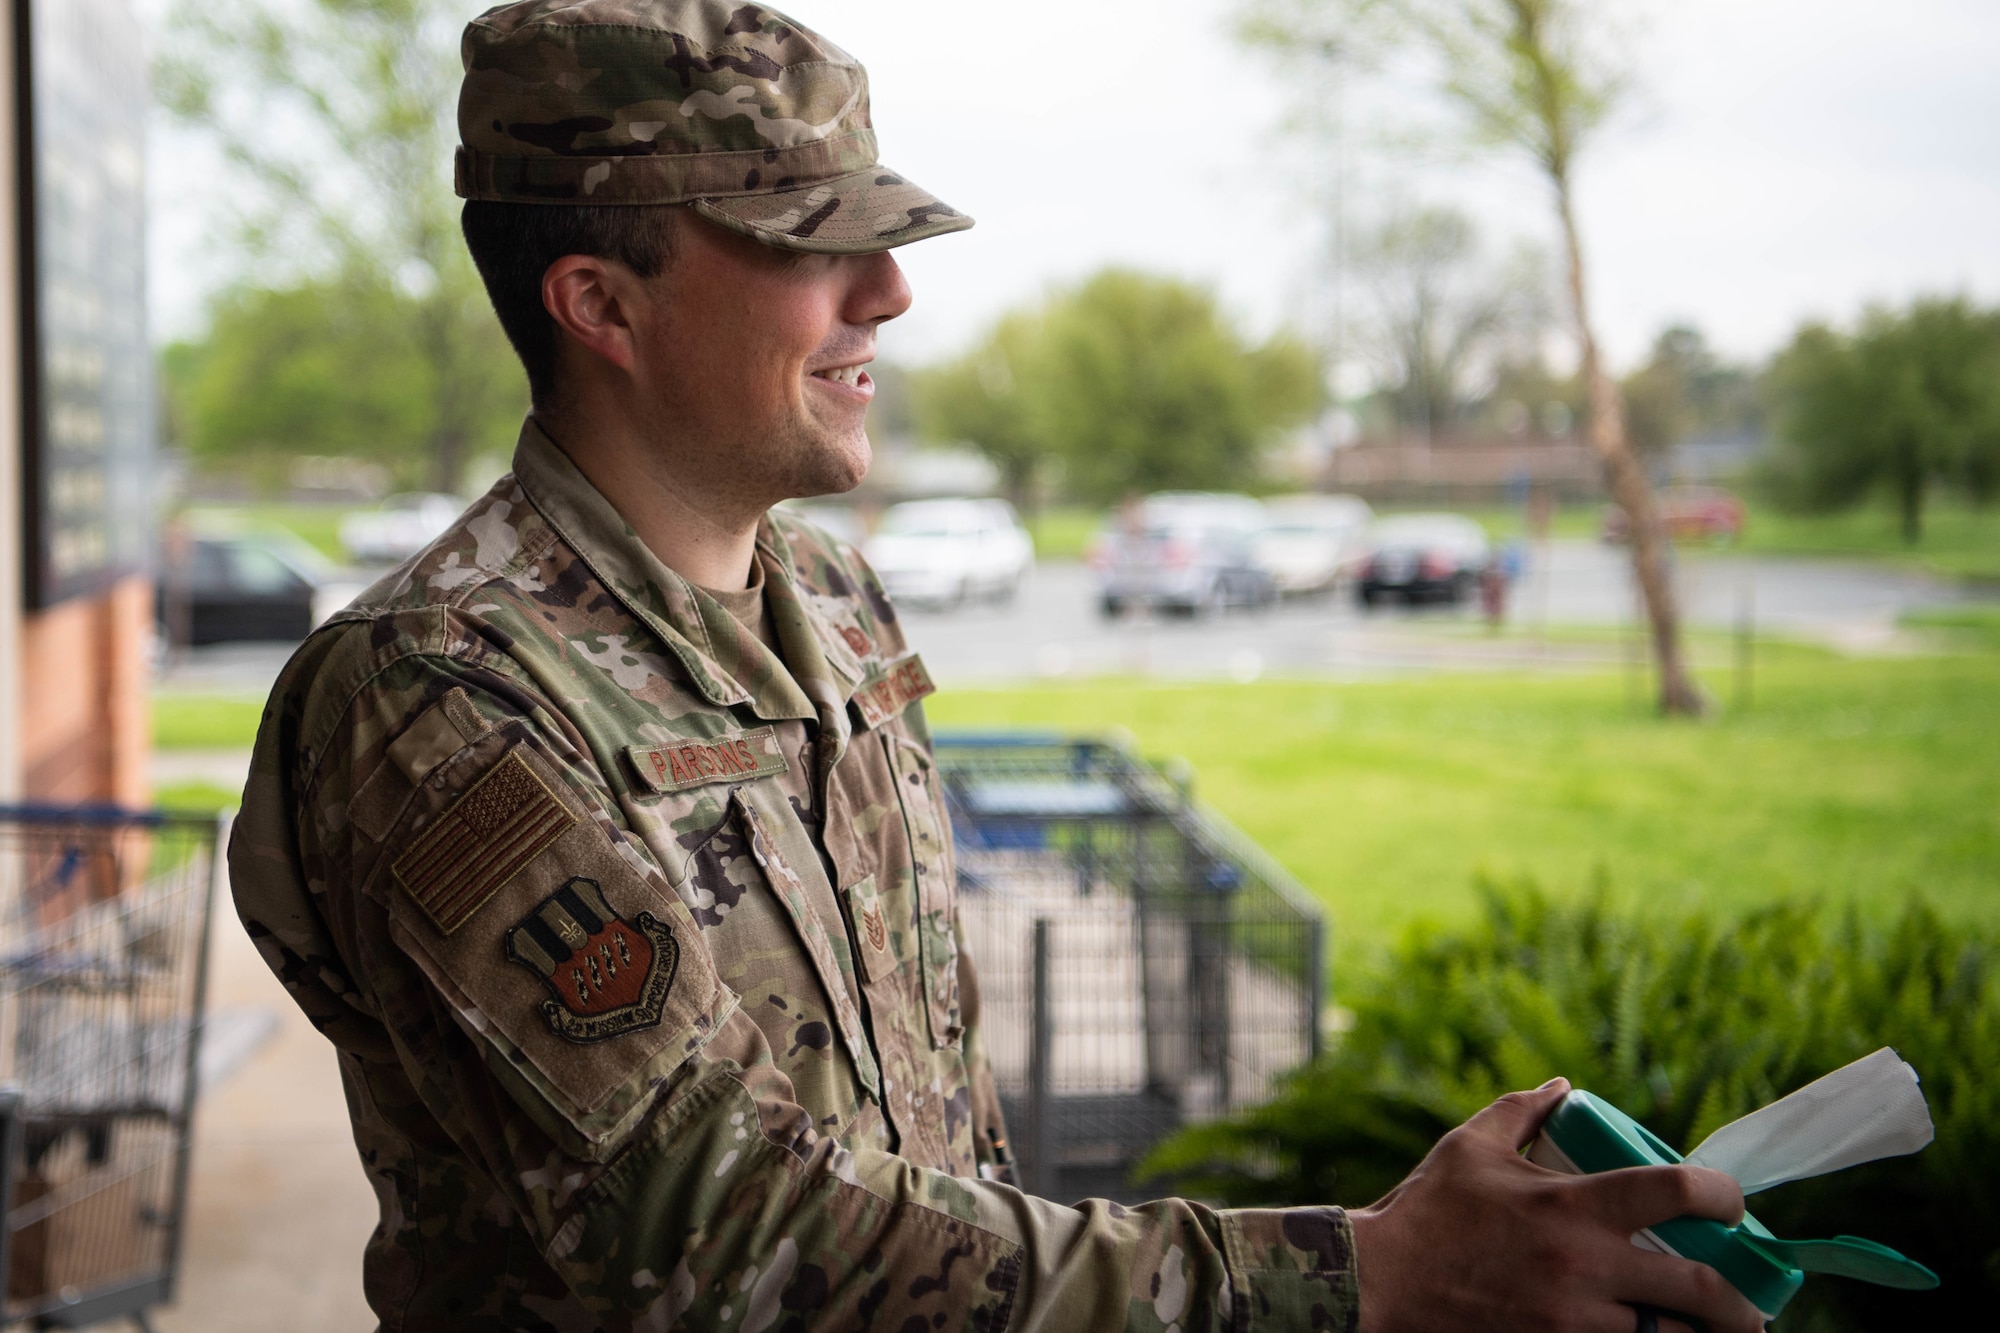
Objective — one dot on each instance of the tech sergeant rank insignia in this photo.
(610, 976)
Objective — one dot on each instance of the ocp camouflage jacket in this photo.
(639, 950)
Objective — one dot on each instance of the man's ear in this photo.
(591, 299)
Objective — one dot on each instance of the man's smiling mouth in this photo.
(851, 376)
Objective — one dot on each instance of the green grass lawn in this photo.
(1958, 541)
(1965, 628)
(1062, 532)
(202, 722)
(317, 524)
(200, 797)
(205, 722)
(1864, 781)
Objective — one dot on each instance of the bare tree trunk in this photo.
(1630, 488)
(1018, 480)
(447, 461)
(1910, 494)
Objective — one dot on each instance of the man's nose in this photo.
(879, 291)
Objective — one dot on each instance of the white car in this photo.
(1310, 542)
(399, 528)
(835, 520)
(939, 553)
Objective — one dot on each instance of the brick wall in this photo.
(84, 728)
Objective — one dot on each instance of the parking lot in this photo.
(1054, 629)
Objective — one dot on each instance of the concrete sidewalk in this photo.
(279, 1207)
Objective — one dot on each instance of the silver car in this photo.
(1186, 552)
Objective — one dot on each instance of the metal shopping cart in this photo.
(1142, 965)
(103, 935)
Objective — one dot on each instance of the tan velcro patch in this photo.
(431, 739)
(481, 841)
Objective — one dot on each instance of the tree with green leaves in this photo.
(979, 398)
(327, 366)
(336, 119)
(1908, 401)
(1131, 382)
(1536, 79)
(1685, 389)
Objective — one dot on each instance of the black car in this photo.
(235, 588)
(1424, 557)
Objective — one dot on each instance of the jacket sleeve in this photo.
(990, 1143)
(545, 994)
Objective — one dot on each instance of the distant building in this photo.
(77, 482)
(1719, 456)
(1465, 469)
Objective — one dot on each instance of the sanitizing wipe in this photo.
(1870, 1109)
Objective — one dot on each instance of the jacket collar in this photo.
(725, 663)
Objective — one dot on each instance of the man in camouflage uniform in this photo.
(603, 839)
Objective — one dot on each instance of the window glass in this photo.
(209, 569)
(258, 571)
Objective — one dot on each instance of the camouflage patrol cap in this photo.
(758, 123)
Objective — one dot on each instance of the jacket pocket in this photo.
(786, 868)
(931, 861)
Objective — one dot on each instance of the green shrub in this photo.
(1686, 1024)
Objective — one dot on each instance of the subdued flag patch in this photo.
(610, 976)
(481, 841)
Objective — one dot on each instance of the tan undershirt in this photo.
(750, 608)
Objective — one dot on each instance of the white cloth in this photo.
(1870, 1109)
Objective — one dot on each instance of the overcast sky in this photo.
(1786, 159)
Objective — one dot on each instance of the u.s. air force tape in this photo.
(888, 692)
(737, 756)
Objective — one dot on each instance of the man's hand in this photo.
(1478, 1237)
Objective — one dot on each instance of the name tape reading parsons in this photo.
(692, 763)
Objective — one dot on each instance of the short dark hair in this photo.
(514, 244)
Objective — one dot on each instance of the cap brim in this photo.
(857, 214)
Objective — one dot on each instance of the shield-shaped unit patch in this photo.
(610, 976)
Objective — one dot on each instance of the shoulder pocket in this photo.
(553, 938)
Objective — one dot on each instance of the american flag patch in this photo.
(484, 839)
